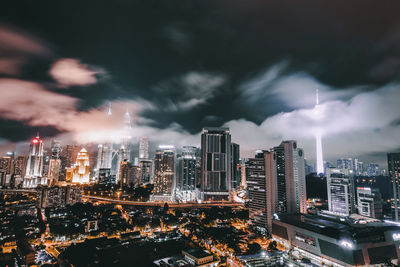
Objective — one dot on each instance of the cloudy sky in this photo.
(178, 66)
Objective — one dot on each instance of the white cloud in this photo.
(68, 71)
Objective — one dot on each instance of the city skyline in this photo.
(177, 85)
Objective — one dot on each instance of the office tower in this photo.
(34, 165)
(143, 148)
(394, 174)
(318, 138)
(215, 164)
(164, 167)
(129, 175)
(104, 155)
(55, 149)
(369, 202)
(243, 179)
(115, 161)
(19, 170)
(340, 192)
(54, 171)
(345, 165)
(146, 167)
(260, 176)
(6, 164)
(68, 158)
(186, 174)
(291, 181)
(235, 157)
(81, 168)
(58, 196)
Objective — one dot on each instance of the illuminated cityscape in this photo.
(199, 133)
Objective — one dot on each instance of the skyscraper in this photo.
(129, 174)
(19, 170)
(104, 156)
(143, 148)
(261, 178)
(34, 167)
(146, 171)
(340, 189)
(290, 180)
(55, 149)
(164, 171)
(394, 174)
(235, 150)
(186, 174)
(215, 164)
(81, 173)
(54, 171)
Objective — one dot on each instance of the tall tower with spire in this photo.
(34, 167)
(318, 138)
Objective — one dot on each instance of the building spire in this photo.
(317, 97)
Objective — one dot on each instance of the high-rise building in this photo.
(215, 164)
(19, 170)
(68, 158)
(104, 155)
(144, 148)
(164, 172)
(394, 174)
(369, 202)
(129, 175)
(261, 177)
(186, 174)
(235, 150)
(340, 189)
(81, 168)
(105, 177)
(146, 171)
(54, 171)
(34, 167)
(55, 149)
(290, 193)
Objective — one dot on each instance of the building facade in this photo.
(81, 168)
(164, 172)
(290, 192)
(34, 167)
(341, 193)
(215, 164)
(394, 174)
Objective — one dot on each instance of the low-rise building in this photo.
(337, 240)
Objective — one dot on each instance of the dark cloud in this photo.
(200, 62)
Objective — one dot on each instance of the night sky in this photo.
(178, 66)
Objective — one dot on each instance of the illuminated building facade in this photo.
(58, 196)
(146, 171)
(329, 240)
(291, 192)
(215, 184)
(369, 202)
(186, 174)
(144, 148)
(164, 171)
(394, 174)
(34, 167)
(340, 192)
(54, 171)
(235, 150)
(129, 175)
(81, 168)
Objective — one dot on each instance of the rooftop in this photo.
(361, 231)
